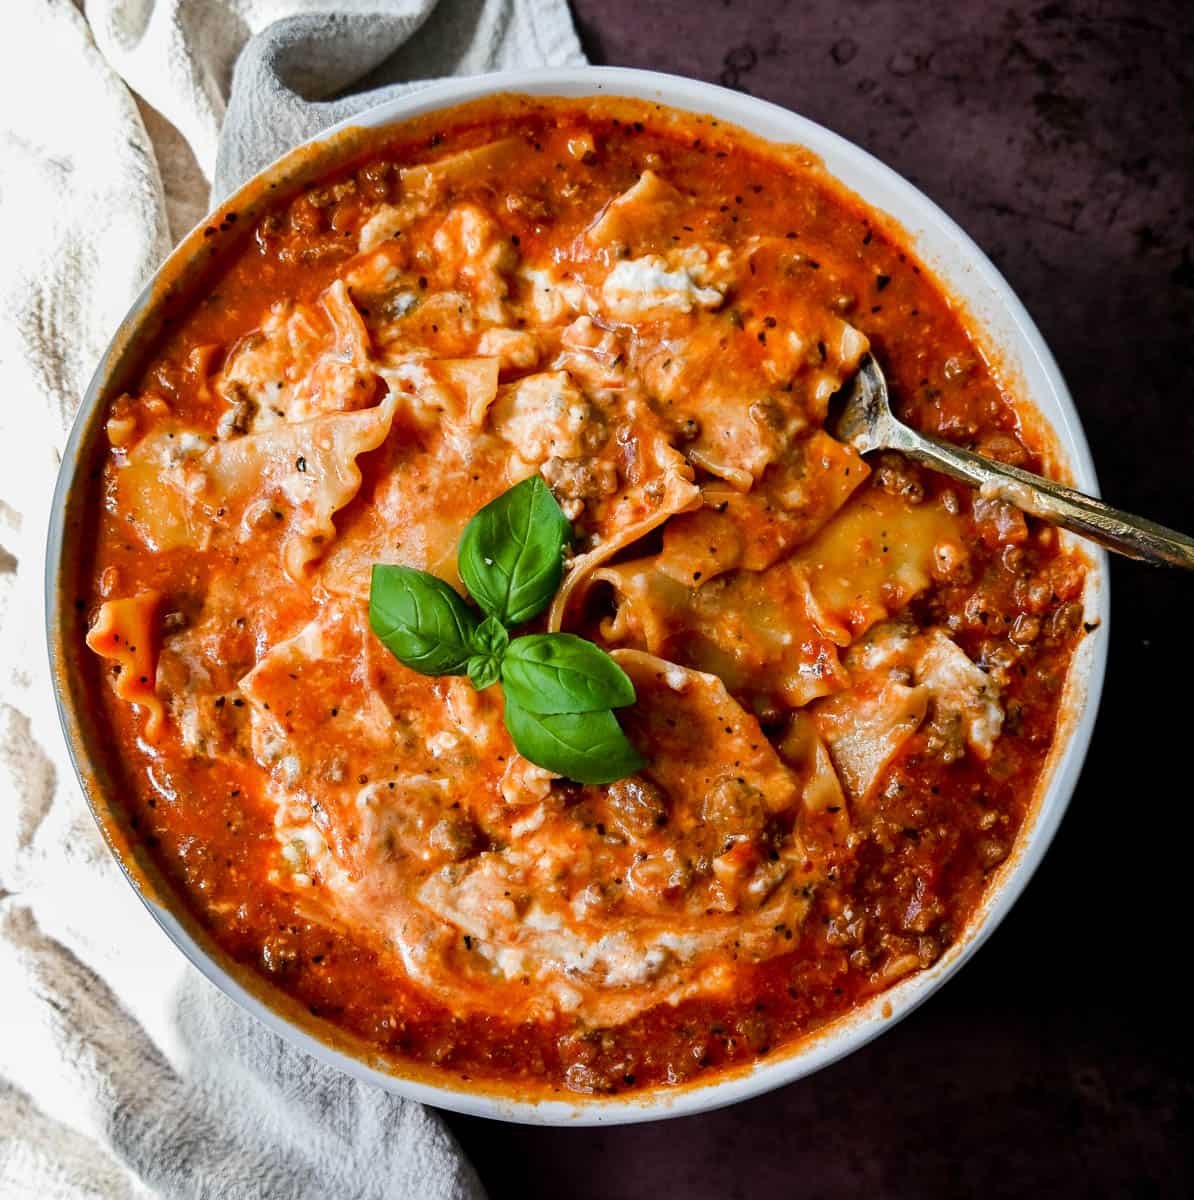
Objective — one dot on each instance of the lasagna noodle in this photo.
(304, 361)
(757, 631)
(898, 676)
(298, 467)
(667, 490)
(694, 732)
(872, 559)
(825, 814)
(641, 213)
(747, 388)
(294, 688)
(449, 394)
(125, 633)
(786, 623)
(154, 488)
(301, 475)
(424, 184)
(865, 728)
(793, 500)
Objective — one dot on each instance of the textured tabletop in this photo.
(1061, 137)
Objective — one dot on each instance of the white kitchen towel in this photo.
(122, 1072)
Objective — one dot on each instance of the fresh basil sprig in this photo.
(559, 689)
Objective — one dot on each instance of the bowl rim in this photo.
(1084, 685)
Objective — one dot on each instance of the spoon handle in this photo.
(1119, 531)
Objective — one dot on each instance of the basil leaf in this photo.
(489, 642)
(483, 671)
(490, 638)
(511, 556)
(587, 747)
(562, 673)
(421, 620)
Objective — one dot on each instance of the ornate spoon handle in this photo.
(1120, 531)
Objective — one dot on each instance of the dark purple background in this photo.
(1061, 137)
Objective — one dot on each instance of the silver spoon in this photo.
(867, 423)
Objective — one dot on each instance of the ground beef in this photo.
(635, 807)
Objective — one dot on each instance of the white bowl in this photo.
(1005, 330)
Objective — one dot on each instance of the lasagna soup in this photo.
(846, 672)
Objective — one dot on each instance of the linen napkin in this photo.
(122, 1072)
